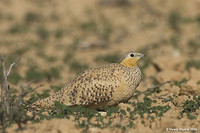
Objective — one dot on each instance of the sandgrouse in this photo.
(104, 85)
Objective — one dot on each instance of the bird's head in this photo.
(130, 59)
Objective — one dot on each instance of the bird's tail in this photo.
(46, 103)
(43, 103)
(49, 102)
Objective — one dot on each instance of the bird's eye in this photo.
(132, 55)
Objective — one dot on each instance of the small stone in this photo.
(94, 130)
(175, 89)
(104, 114)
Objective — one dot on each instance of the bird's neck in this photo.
(129, 62)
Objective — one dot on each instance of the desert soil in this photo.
(53, 34)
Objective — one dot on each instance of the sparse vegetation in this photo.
(174, 20)
(14, 78)
(78, 67)
(12, 109)
(34, 74)
(86, 117)
(179, 83)
(109, 58)
(190, 107)
(51, 36)
(18, 28)
(100, 27)
(42, 32)
(146, 107)
(32, 17)
(55, 88)
(46, 57)
(89, 25)
(198, 19)
(59, 33)
(70, 51)
(193, 63)
(194, 45)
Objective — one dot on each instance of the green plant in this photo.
(46, 57)
(43, 32)
(59, 33)
(16, 53)
(190, 107)
(110, 57)
(122, 3)
(15, 78)
(37, 44)
(33, 74)
(78, 67)
(55, 88)
(83, 115)
(53, 73)
(193, 63)
(179, 83)
(89, 25)
(174, 20)
(31, 17)
(18, 28)
(194, 46)
(98, 25)
(70, 51)
(146, 107)
(36, 96)
(198, 19)
(12, 106)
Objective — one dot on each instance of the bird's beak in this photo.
(143, 55)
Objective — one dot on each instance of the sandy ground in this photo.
(43, 33)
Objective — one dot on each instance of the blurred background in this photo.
(57, 40)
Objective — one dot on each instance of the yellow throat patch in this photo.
(129, 62)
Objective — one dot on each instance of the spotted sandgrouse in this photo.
(104, 85)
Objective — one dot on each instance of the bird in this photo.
(105, 85)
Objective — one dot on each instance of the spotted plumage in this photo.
(100, 86)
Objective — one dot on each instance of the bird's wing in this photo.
(94, 86)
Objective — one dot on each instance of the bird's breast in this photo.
(133, 77)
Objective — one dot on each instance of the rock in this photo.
(170, 75)
(195, 74)
(170, 62)
(190, 88)
(174, 89)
